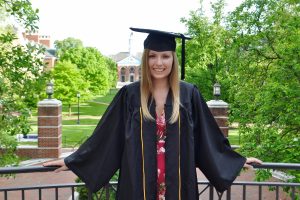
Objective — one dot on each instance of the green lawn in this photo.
(89, 108)
(74, 134)
(108, 98)
(233, 136)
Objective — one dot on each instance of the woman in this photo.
(156, 132)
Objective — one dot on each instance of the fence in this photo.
(208, 191)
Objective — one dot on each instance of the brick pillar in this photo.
(49, 128)
(219, 109)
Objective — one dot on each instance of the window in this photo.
(123, 73)
(131, 70)
(132, 74)
(131, 77)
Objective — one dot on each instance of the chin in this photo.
(159, 77)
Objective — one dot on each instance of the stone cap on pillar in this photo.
(49, 103)
(217, 104)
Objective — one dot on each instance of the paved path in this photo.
(44, 178)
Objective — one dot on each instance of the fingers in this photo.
(246, 166)
(253, 160)
(250, 161)
(62, 168)
(56, 163)
(53, 163)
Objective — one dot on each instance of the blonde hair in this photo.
(147, 87)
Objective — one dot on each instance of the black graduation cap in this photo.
(164, 41)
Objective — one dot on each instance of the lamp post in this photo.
(50, 90)
(217, 91)
(78, 97)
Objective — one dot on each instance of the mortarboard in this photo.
(164, 41)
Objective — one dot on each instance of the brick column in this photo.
(219, 110)
(49, 128)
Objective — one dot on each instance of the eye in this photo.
(151, 56)
(166, 56)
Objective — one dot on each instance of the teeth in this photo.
(158, 69)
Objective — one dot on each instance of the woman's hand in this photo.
(252, 160)
(59, 163)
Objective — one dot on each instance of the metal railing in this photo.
(208, 191)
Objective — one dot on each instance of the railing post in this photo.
(244, 192)
(90, 195)
(228, 193)
(211, 192)
(293, 193)
(107, 191)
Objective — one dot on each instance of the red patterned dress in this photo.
(160, 147)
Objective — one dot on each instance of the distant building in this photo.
(45, 40)
(129, 68)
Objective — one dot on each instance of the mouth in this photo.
(159, 69)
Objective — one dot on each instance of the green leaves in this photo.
(255, 56)
(265, 84)
(96, 70)
(68, 81)
(21, 78)
(23, 12)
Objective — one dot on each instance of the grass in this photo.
(74, 134)
(105, 99)
(88, 108)
(233, 136)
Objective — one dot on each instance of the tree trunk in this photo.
(70, 110)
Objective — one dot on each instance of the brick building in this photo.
(45, 40)
(128, 67)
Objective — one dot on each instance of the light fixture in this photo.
(217, 90)
(49, 90)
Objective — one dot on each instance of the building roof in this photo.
(119, 56)
(50, 53)
(129, 61)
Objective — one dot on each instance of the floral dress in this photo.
(160, 147)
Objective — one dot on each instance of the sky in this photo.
(104, 24)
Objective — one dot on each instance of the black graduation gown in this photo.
(123, 141)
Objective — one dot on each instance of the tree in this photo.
(204, 58)
(68, 82)
(254, 52)
(95, 68)
(265, 78)
(68, 43)
(21, 77)
(112, 72)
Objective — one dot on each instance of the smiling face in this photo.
(160, 64)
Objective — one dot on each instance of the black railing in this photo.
(239, 188)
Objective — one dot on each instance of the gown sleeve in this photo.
(99, 157)
(213, 154)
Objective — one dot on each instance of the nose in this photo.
(159, 61)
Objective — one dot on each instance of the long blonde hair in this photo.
(147, 87)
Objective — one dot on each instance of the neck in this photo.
(159, 84)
